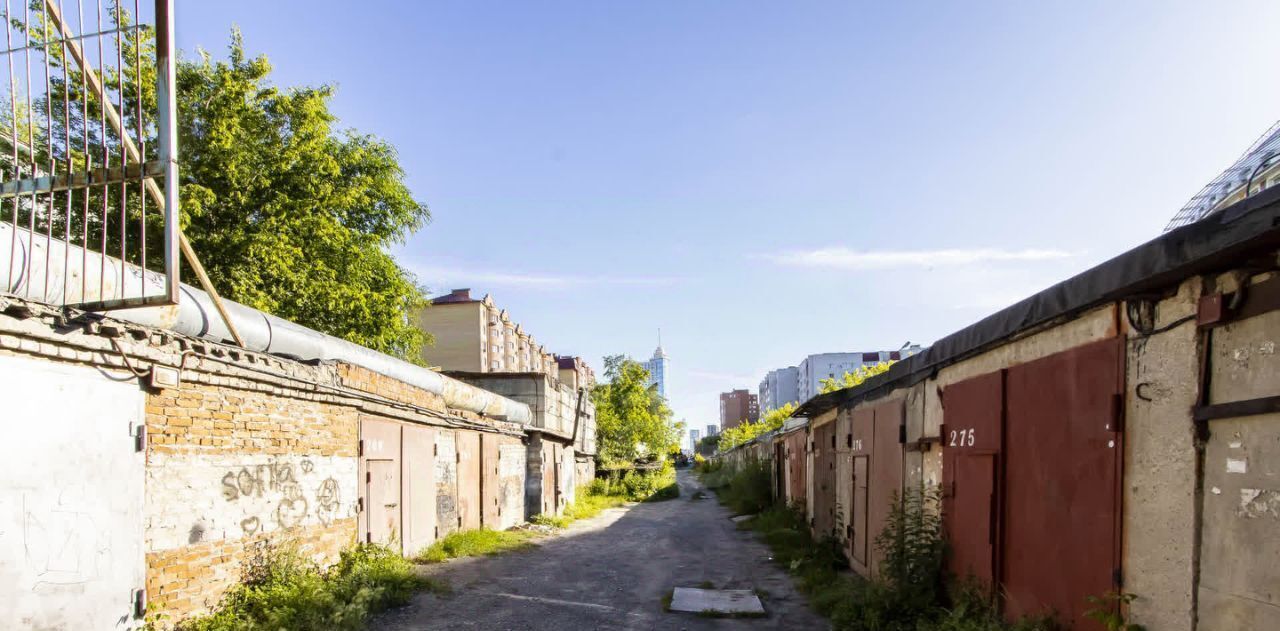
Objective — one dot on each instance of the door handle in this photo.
(392, 505)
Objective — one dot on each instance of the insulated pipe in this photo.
(195, 316)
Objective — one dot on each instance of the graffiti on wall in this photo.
(278, 481)
(211, 497)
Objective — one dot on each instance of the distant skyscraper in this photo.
(712, 430)
(695, 435)
(657, 367)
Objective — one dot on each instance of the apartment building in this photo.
(474, 335)
(737, 407)
(780, 387)
(815, 368)
(574, 372)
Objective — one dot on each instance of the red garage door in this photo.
(1062, 462)
(973, 411)
(824, 480)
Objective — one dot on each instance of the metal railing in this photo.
(90, 153)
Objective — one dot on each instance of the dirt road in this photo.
(611, 572)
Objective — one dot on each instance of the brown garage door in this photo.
(886, 472)
(796, 488)
(419, 498)
(380, 473)
(1062, 470)
(491, 509)
(468, 446)
(972, 437)
(861, 445)
(824, 483)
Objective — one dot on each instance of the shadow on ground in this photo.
(612, 572)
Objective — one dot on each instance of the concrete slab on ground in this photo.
(728, 601)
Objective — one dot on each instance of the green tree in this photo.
(288, 213)
(744, 432)
(853, 378)
(632, 419)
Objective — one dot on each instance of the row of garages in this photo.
(1118, 432)
(423, 482)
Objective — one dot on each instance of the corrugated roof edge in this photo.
(1211, 244)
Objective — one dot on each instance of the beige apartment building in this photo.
(475, 335)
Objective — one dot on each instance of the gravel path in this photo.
(611, 572)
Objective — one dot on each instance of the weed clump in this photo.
(908, 595)
(280, 589)
(469, 543)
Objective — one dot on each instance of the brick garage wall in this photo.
(230, 470)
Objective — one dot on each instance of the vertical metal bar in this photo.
(167, 127)
(106, 159)
(124, 160)
(66, 146)
(17, 170)
(142, 137)
(88, 159)
(50, 205)
(31, 149)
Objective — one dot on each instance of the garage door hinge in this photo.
(1116, 423)
(140, 438)
(360, 505)
(435, 450)
(457, 457)
(368, 477)
(902, 434)
(360, 447)
(1117, 578)
(140, 603)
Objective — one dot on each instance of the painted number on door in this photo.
(962, 437)
(856, 444)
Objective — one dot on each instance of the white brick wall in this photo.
(193, 498)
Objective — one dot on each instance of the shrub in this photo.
(637, 485)
(282, 590)
(907, 596)
(750, 489)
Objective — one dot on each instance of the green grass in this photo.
(283, 590)
(614, 490)
(470, 543)
(854, 603)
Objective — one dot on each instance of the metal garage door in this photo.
(468, 446)
(824, 483)
(490, 496)
(380, 464)
(1061, 481)
(972, 437)
(862, 441)
(419, 496)
(886, 472)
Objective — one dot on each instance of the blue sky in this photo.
(766, 180)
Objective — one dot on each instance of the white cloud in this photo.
(440, 276)
(842, 258)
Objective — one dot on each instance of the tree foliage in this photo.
(772, 420)
(632, 419)
(288, 213)
(853, 377)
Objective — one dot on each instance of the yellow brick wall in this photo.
(191, 580)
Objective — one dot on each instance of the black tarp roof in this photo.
(1215, 243)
